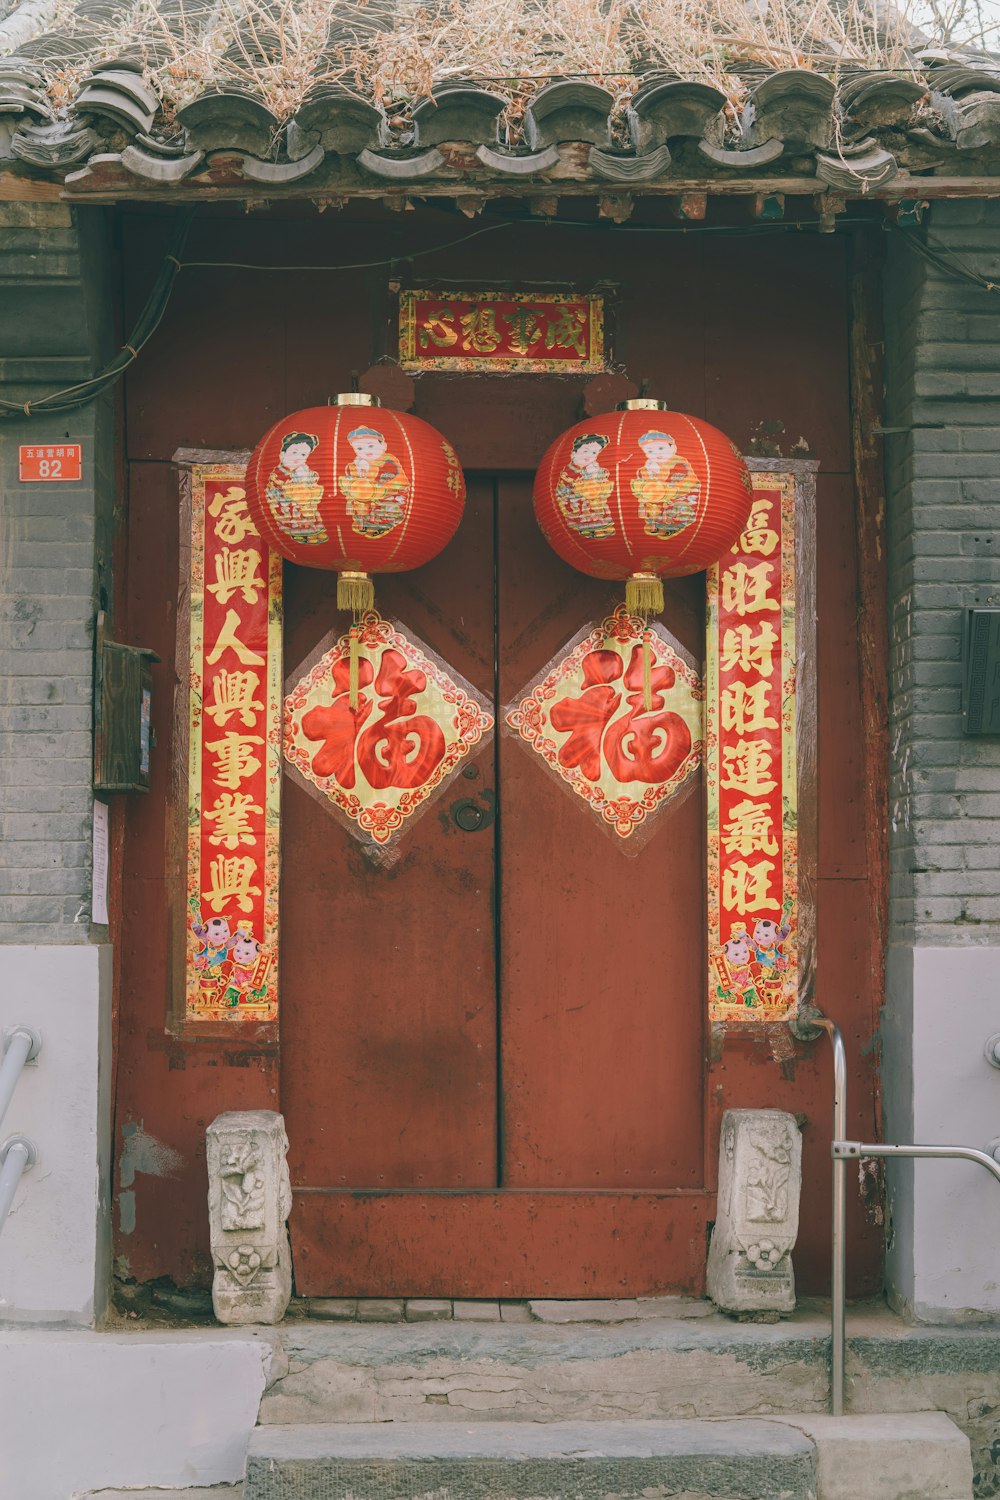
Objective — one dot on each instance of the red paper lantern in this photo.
(642, 494)
(357, 490)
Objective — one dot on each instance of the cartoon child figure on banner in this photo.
(248, 969)
(666, 487)
(374, 484)
(216, 942)
(294, 491)
(768, 937)
(736, 969)
(584, 488)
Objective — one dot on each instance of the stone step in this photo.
(908, 1456)
(746, 1460)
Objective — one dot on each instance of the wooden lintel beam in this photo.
(903, 188)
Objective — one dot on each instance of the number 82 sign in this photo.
(38, 463)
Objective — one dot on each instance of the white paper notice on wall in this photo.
(99, 899)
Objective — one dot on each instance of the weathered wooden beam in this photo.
(348, 184)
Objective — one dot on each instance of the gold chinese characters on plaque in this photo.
(234, 758)
(531, 332)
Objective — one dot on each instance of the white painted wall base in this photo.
(55, 1245)
(942, 1262)
(84, 1411)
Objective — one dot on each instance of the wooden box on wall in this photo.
(123, 694)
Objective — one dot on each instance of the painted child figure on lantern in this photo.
(294, 491)
(374, 484)
(666, 487)
(584, 488)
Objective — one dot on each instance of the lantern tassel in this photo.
(647, 672)
(356, 592)
(644, 594)
(355, 656)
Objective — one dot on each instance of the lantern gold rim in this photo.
(643, 403)
(354, 398)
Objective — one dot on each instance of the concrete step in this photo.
(918, 1456)
(511, 1460)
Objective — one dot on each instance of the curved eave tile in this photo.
(743, 161)
(229, 122)
(662, 111)
(518, 166)
(880, 99)
(856, 174)
(644, 168)
(280, 173)
(337, 122)
(108, 103)
(794, 105)
(159, 168)
(457, 114)
(53, 145)
(402, 168)
(571, 110)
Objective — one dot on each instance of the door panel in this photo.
(388, 1031)
(601, 952)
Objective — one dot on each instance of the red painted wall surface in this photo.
(739, 330)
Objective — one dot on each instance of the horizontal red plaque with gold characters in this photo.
(534, 332)
(234, 758)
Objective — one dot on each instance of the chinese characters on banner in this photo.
(585, 716)
(234, 758)
(751, 766)
(379, 764)
(541, 332)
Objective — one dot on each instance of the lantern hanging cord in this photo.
(149, 320)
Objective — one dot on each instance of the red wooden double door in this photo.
(492, 1060)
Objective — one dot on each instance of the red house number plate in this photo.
(59, 461)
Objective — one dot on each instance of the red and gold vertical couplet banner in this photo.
(751, 766)
(234, 757)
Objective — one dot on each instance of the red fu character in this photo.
(647, 746)
(400, 749)
(337, 724)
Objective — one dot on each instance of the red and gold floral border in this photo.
(752, 766)
(234, 758)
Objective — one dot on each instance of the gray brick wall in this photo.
(943, 480)
(53, 570)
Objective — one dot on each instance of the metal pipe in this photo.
(843, 1151)
(838, 1269)
(21, 1045)
(17, 1154)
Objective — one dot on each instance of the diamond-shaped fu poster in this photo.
(379, 763)
(587, 716)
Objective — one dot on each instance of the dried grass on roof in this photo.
(396, 51)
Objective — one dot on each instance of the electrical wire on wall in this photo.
(75, 396)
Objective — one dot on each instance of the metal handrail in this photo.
(21, 1045)
(806, 1027)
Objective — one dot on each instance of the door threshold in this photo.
(497, 1310)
